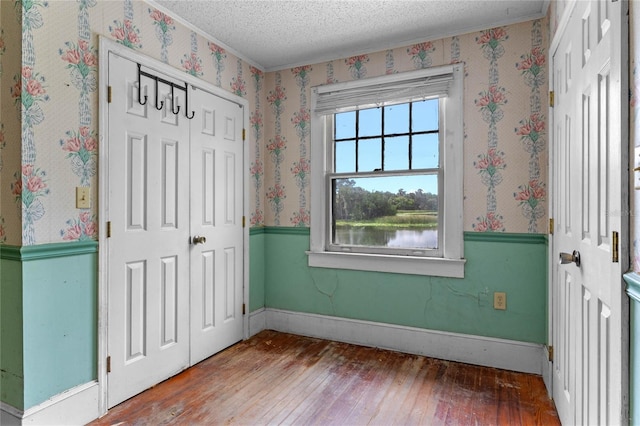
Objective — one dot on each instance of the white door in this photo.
(148, 248)
(589, 160)
(161, 286)
(216, 212)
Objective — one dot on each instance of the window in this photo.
(387, 174)
(385, 179)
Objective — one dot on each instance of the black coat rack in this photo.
(160, 104)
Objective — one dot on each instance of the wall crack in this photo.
(326, 293)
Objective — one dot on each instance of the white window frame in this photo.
(451, 262)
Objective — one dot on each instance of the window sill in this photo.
(431, 266)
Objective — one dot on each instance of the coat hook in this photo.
(140, 90)
(186, 102)
(158, 107)
(173, 102)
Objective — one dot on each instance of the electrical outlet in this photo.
(500, 300)
(83, 197)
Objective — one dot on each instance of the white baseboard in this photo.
(257, 321)
(9, 415)
(486, 351)
(76, 406)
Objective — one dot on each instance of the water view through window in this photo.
(365, 214)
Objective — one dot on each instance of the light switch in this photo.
(83, 197)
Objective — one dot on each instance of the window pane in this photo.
(369, 155)
(345, 156)
(345, 125)
(425, 115)
(396, 153)
(386, 211)
(425, 151)
(396, 119)
(370, 122)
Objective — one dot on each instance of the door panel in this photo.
(169, 185)
(231, 313)
(216, 205)
(136, 206)
(590, 162)
(208, 314)
(231, 216)
(135, 331)
(169, 300)
(148, 249)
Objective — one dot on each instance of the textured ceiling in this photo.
(278, 34)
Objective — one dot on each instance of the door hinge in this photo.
(244, 309)
(244, 134)
(108, 94)
(244, 220)
(614, 247)
(109, 364)
(550, 349)
(552, 100)
(109, 229)
(551, 226)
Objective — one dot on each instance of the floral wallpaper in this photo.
(505, 152)
(49, 127)
(255, 130)
(10, 122)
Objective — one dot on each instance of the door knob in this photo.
(199, 240)
(570, 258)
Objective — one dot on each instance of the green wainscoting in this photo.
(256, 269)
(55, 288)
(48, 300)
(511, 263)
(11, 366)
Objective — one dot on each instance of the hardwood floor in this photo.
(276, 378)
